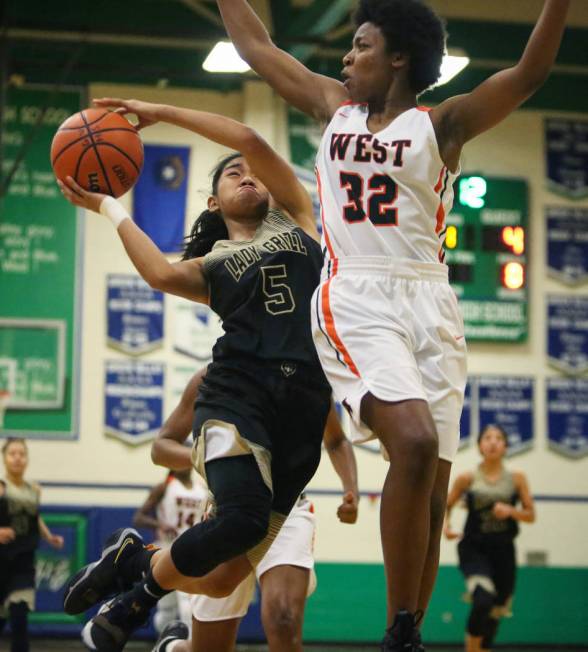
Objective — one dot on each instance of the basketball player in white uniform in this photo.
(286, 572)
(178, 503)
(386, 324)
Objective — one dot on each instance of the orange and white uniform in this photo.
(385, 319)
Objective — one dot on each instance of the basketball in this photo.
(100, 149)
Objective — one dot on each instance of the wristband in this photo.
(114, 210)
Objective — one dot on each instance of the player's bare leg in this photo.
(219, 583)
(438, 503)
(283, 598)
(220, 636)
(407, 431)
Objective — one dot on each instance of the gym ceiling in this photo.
(164, 42)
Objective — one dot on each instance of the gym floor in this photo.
(74, 646)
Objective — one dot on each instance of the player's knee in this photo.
(420, 450)
(282, 620)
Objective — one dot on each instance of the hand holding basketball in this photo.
(77, 196)
(146, 112)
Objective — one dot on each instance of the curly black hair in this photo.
(413, 28)
(209, 226)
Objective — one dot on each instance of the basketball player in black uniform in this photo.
(486, 550)
(21, 529)
(254, 257)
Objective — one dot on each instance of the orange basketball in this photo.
(100, 149)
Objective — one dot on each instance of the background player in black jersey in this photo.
(21, 528)
(263, 405)
(486, 549)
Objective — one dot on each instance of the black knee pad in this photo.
(241, 520)
(18, 613)
(483, 601)
(490, 633)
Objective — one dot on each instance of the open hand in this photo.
(146, 112)
(347, 510)
(55, 541)
(77, 196)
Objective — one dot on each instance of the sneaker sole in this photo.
(81, 597)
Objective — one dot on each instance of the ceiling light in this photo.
(224, 58)
(451, 66)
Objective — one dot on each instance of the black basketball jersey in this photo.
(481, 524)
(20, 507)
(261, 289)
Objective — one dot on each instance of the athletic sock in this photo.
(137, 566)
(145, 594)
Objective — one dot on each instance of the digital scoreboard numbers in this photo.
(486, 250)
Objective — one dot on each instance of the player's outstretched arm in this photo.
(168, 448)
(185, 279)
(267, 165)
(314, 94)
(461, 118)
(460, 486)
(342, 458)
(144, 516)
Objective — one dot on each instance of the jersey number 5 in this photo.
(381, 211)
(279, 295)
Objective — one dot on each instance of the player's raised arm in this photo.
(464, 117)
(267, 165)
(314, 94)
(168, 448)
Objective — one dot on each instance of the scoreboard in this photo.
(486, 250)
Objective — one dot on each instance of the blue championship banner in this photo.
(196, 329)
(567, 416)
(133, 394)
(465, 423)
(159, 198)
(567, 333)
(567, 244)
(566, 143)
(508, 402)
(134, 315)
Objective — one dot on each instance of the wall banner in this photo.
(567, 416)
(134, 315)
(567, 244)
(508, 402)
(196, 329)
(133, 410)
(567, 333)
(566, 149)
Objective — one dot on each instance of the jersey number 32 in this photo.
(383, 192)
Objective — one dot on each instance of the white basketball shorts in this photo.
(292, 547)
(394, 330)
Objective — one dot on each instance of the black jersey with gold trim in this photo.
(261, 289)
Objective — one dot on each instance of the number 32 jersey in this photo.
(383, 194)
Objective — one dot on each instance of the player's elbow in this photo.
(252, 144)
(157, 453)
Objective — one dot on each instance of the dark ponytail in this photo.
(209, 226)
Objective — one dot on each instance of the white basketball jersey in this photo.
(383, 194)
(182, 507)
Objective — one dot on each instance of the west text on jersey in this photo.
(367, 148)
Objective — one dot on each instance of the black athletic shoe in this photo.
(417, 643)
(101, 579)
(112, 626)
(403, 636)
(174, 631)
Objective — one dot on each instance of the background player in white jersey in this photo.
(386, 324)
(170, 509)
(286, 573)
